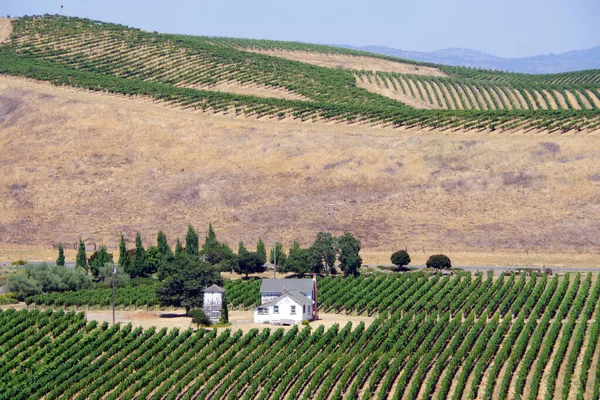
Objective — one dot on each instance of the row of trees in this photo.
(320, 257)
(401, 259)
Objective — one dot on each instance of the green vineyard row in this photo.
(443, 337)
(452, 93)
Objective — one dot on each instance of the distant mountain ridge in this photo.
(542, 64)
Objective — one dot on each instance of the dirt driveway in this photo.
(243, 320)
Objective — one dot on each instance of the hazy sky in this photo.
(507, 28)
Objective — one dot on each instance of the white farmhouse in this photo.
(287, 301)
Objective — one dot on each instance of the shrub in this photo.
(304, 322)
(199, 317)
(19, 262)
(439, 261)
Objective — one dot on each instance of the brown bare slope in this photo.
(91, 165)
(343, 61)
(5, 29)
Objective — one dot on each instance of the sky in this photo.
(505, 28)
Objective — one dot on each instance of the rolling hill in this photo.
(569, 61)
(108, 129)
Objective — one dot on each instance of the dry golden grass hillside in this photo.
(85, 164)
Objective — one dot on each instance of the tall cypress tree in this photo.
(191, 241)
(139, 257)
(81, 260)
(60, 261)
(124, 260)
(162, 245)
(242, 249)
(261, 250)
(224, 311)
(178, 247)
(280, 254)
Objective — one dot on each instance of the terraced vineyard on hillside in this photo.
(444, 337)
(461, 94)
(182, 70)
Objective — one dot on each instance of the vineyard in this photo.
(182, 71)
(463, 94)
(475, 337)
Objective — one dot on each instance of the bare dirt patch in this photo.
(5, 29)
(170, 319)
(250, 90)
(342, 61)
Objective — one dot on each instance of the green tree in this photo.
(154, 259)
(213, 251)
(163, 245)
(44, 278)
(280, 254)
(439, 261)
(297, 260)
(199, 317)
(350, 260)
(261, 250)
(60, 261)
(224, 311)
(178, 247)
(242, 249)
(81, 260)
(400, 259)
(325, 249)
(191, 241)
(139, 257)
(105, 277)
(99, 259)
(124, 259)
(185, 287)
(250, 263)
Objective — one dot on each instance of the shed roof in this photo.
(295, 295)
(278, 285)
(214, 288)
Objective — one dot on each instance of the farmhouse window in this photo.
(303, 309)
(275, 309)
(263, 311)
(293, 312)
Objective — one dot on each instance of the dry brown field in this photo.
(79, 164)
(342, 61)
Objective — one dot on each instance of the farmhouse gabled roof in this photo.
(214, 288)
(294, 295)
(278, 285)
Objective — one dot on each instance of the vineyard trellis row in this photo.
(459, 336)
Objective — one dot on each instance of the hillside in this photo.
(78, 163)
(182, 69)
(127, 131)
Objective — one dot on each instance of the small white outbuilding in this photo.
(287, 301)
(213, 302)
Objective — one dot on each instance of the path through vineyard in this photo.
(5, 29)
(239, 319)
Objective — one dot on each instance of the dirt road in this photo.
(243, 320)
